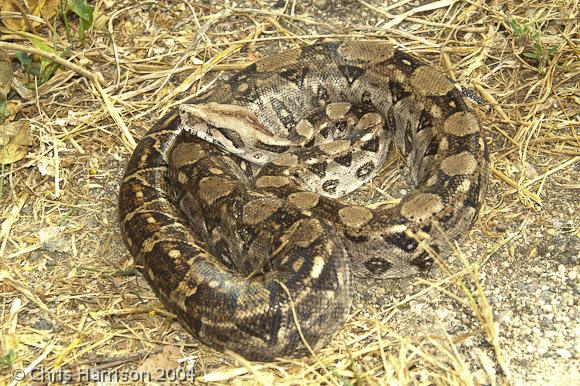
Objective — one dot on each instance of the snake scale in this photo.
(231, 204)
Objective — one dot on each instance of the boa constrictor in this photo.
(231, 204)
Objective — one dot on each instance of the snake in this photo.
(237, 206)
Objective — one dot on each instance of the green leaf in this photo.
(552, 50)
(531, 55)
(4, 112)
(35, 70)
(41, 45)
(24, 59)
(43, 70)
(518, 30)
(47, 67)
(85, 14)
(81, 9)
(7, 361)
(48, 72)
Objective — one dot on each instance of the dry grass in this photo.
(69, 297)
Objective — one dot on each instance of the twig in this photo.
(95, 77)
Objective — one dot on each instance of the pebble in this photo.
(321, 4)
(43, 325)
(442, 313)
(543, 346)
(506, 316)
(564, 353)
(562, 269)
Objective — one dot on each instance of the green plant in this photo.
(43, 69)
(535, 51)
(7, 361)
(4, 112)
(82, 10)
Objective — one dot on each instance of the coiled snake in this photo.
(231, 204)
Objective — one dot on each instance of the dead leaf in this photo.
(164, 360)
(6, 74)
(15, 8)
(53, 239)
(14, 141)
(48, 166)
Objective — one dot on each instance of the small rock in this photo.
(43, 325)
(322, 4)
(442, 313)
(543, 346)
(564, 353)
(506, 317)
(562, 269)
(546, 309)
(546, 296)
(551, 334)
(531, 171)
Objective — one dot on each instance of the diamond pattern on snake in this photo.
(233, 204)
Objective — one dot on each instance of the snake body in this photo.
(231, 204)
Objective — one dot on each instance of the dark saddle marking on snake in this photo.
(232, 204)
